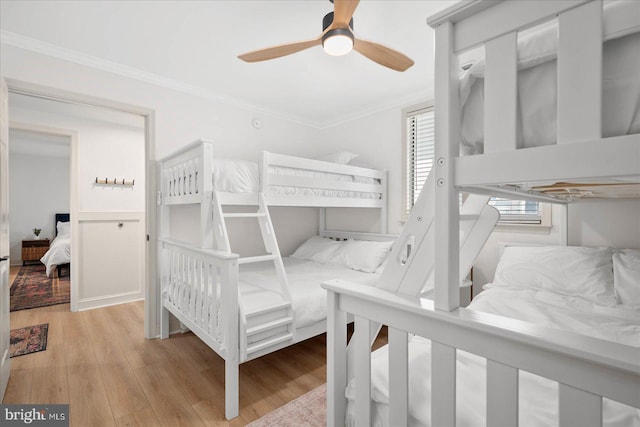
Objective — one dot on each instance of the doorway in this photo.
(40, 193)
(92, 223)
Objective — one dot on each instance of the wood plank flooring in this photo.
(99, 362)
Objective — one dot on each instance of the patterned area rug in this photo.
(32, 288)
(28, 340)
(308, 410)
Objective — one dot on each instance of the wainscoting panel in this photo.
(111, 258)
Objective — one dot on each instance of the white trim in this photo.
(105, 301)
(38, 46)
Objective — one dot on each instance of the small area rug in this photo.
(28, 340)
(32, 288)
(308, 410)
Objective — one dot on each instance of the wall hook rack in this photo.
(115, 181)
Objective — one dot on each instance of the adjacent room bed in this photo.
(58, 256)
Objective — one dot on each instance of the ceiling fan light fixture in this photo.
(338, 42)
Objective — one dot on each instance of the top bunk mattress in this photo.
(242, 176)
(537, 87)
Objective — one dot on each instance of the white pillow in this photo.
(235, 176)
(626, 275)
(341, 157)
(362, 255)
(318, 249)
(64, 228)
(568, 270)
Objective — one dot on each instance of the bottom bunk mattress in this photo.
(567, 288)
(260, 287)
(538, 396)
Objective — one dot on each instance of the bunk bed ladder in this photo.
(270, 325)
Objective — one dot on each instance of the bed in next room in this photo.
(59, 254)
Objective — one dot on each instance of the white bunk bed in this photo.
(236, 305)
(587, 370)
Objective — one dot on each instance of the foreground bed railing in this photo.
(587, 369)
(200, 288)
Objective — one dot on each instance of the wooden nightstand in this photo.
(33, 250)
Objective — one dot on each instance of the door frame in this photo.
(151, 325)
(73, 192)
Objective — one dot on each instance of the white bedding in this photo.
(537, 88)
(241, 176)
(537, 396)
(59, 253)
(259, 286)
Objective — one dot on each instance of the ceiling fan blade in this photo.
(278, 51)
(383, 55)
(342, 12)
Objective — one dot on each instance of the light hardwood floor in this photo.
(99, 362)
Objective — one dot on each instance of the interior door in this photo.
(5, 362)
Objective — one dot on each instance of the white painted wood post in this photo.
(580, 93)
(443, 385)
(336, 362)
(578, 407)
(398, 377)
(362, 348)
(230, 309)
(502, 395)
(501, 94)
(447, 132)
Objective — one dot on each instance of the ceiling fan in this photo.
(337, 39)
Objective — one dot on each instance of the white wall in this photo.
(378, 141)
(39, 188)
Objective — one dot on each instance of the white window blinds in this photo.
(517, 211)
(420, 139)
(420, 151)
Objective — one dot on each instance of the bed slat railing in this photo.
(586, 368)
(184, 174)
(580, 73)
(200, 288)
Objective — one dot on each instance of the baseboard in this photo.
(108, 300)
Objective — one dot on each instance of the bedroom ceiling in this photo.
(193, 46)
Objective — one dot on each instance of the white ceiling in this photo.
(194, 45)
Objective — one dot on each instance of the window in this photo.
(419, 140)
(419, 150)
(517, 211)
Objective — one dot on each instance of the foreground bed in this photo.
(582, 161)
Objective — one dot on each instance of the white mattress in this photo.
(59, 253)
(537, 396)
(260, 286)
(241, 176)
(537, 88)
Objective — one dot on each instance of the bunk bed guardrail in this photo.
(200, 288)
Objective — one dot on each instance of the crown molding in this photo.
(48, 49)
(44, 48)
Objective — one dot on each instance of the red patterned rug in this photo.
(32, 288)
(28, 340)
(308, 410)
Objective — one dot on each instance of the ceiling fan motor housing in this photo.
(328, 20)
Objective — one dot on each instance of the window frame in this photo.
(508, 226)
(406, 112)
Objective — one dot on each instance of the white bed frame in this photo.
(587, 369)
(199, 284)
